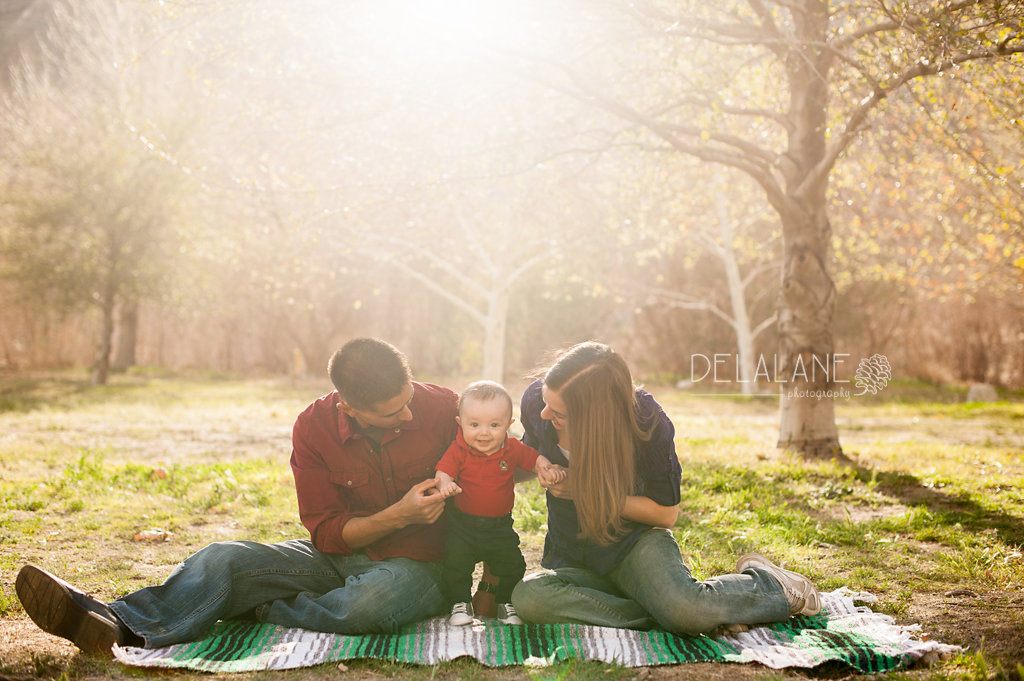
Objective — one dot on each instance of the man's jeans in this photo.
(291, 584)
(650, 588)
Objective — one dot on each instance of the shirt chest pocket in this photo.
(356, 484)
(420, 470)
(411, 465)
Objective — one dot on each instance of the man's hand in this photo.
(446, 485)
(422, 504)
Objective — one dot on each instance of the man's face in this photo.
(386, 414)
(484, 424)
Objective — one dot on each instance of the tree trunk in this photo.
(318, 352)
(125, 357)
(807, 298)
(101, 368)
(738, 298)
(747, 366)
(229, 346)
(806, 306)
(494, 333)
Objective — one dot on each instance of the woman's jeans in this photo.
(291, 584)
(650, 588)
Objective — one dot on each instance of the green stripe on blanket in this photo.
(868, 642)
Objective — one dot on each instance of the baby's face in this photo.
(484, 424)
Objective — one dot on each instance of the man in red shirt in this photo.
(363, 459)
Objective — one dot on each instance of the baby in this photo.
(478, 468)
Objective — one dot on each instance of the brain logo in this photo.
(873, 374)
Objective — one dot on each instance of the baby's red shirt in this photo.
(486, 481)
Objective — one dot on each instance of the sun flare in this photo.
(445, 30)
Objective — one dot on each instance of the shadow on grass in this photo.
(910, 490)
(29, 393)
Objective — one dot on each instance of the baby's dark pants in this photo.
(473, 538)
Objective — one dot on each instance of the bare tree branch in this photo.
(526, 266)
(760, 269)
(757, 168)
(429, 283)
(750, 221)
(765, 15)
(474, 243)
(709, 243)
(764, 325)
(857, 120)
(670, 22)
(688, 302)
(755, 112)
(429, 255)
(748, 148)
(875, 29)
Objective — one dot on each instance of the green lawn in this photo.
(932, 504)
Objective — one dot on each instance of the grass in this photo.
(932, 504)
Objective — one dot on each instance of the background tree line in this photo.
(241, 186)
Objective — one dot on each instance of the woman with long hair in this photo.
(610, 561)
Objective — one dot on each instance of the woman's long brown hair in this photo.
(601, 416)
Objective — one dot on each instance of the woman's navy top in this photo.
(657, 477)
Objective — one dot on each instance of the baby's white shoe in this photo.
(462, 614)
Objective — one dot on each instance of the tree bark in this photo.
(101, 367)
(128, 340)
(806, 363)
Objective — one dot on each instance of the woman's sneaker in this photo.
(803, 597)
(462, 614)
(507, 614)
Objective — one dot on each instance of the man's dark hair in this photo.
(368, 371)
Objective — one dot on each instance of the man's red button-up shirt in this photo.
(338, 476)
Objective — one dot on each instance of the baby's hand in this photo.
(550, 474)
(447, 489)
(557, 474)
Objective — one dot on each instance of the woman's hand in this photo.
(549, 473)
(559, 489)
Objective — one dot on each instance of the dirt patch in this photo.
(26, 651)
(992, 621)
(854, 512)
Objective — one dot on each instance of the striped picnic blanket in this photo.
(866, 641)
